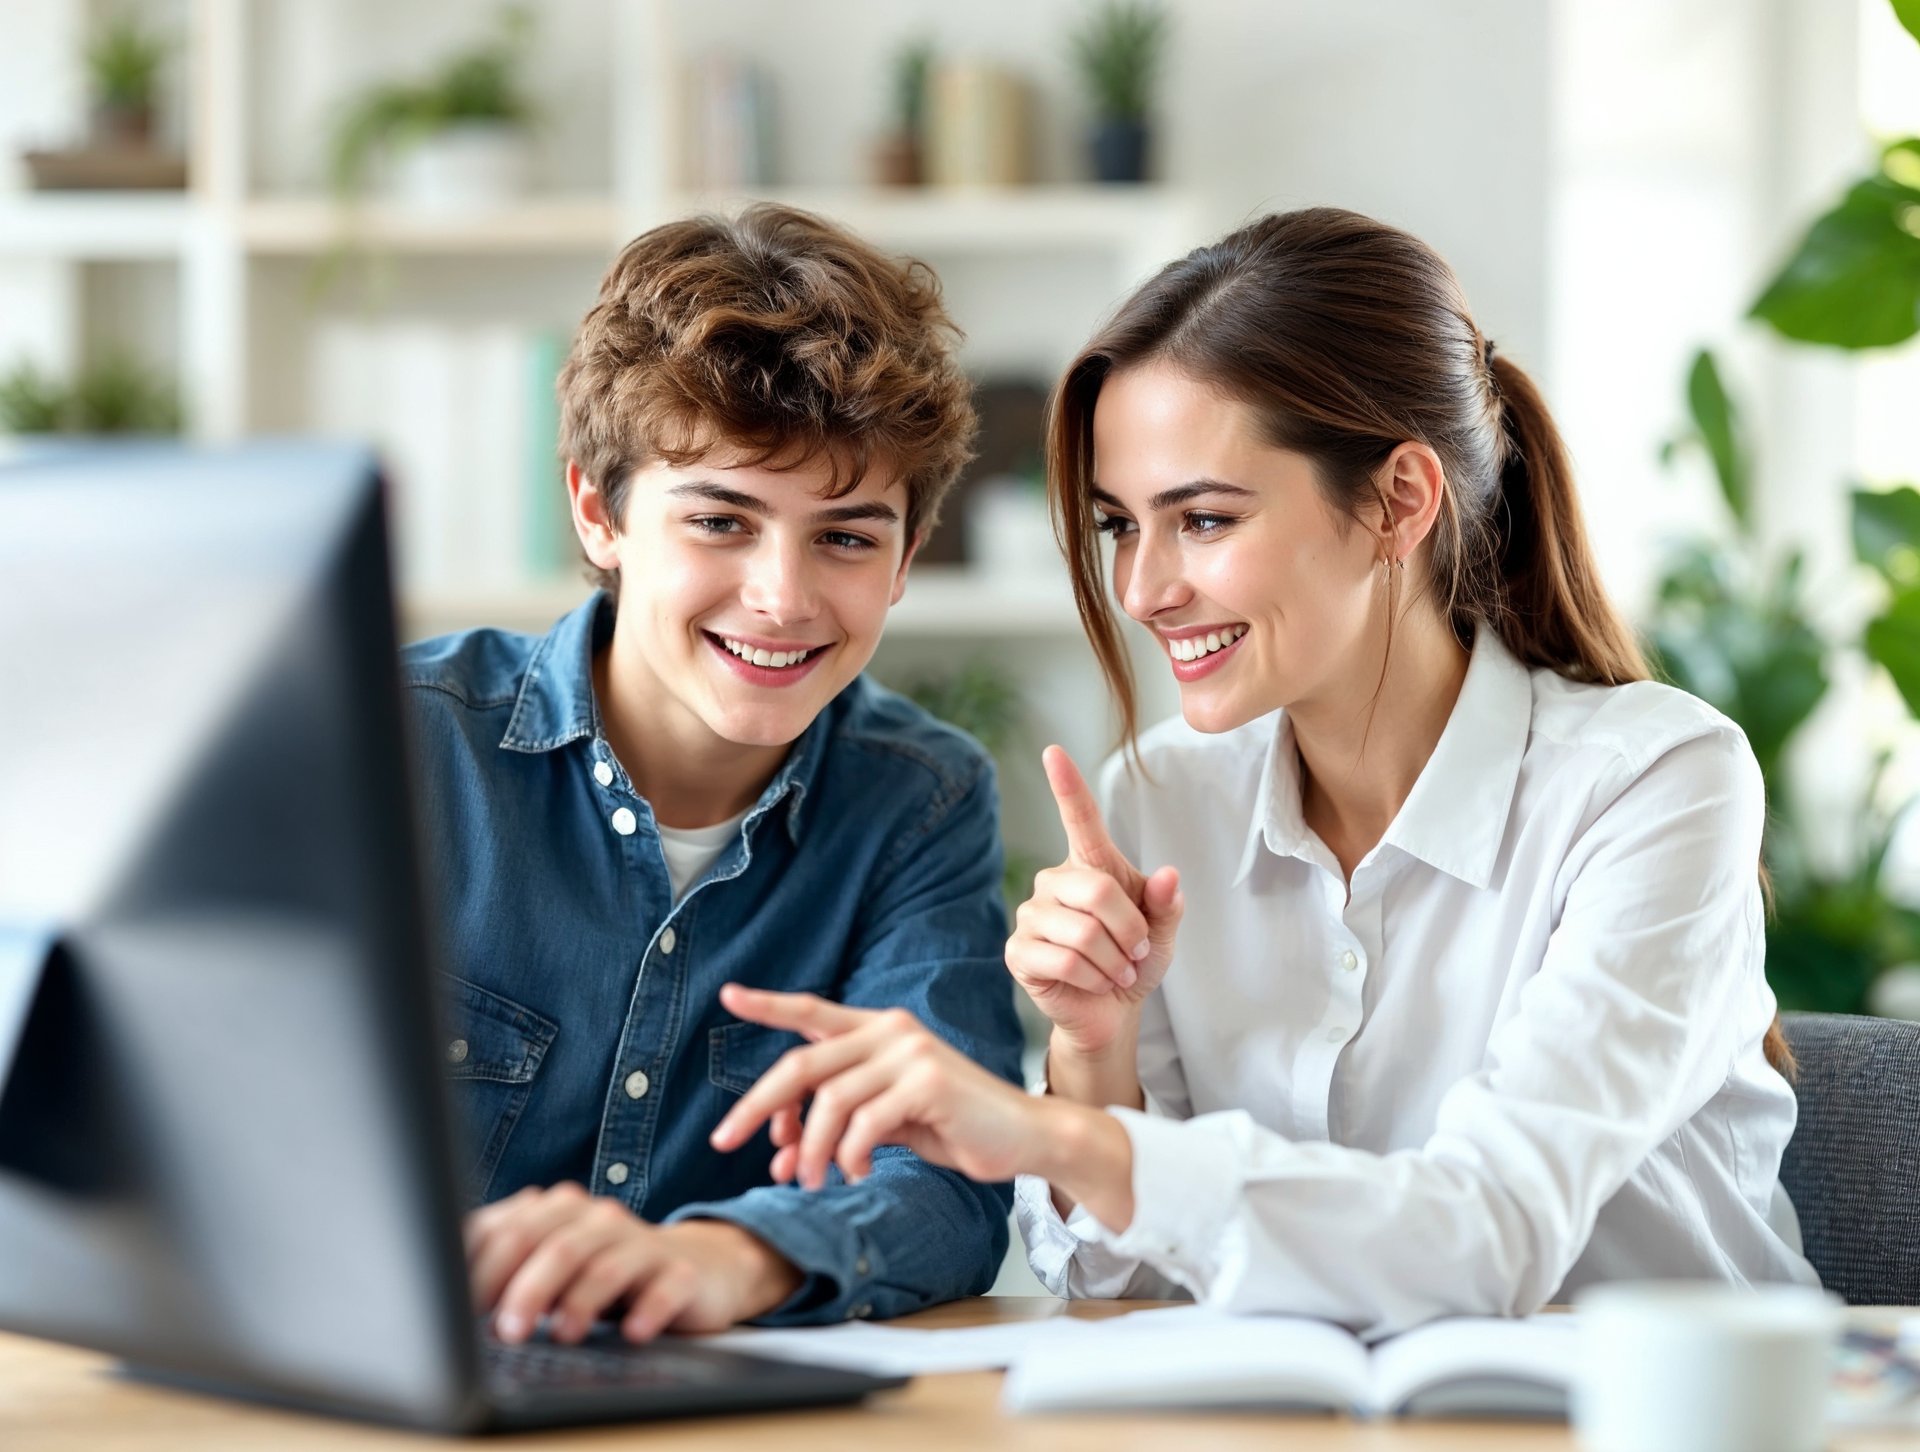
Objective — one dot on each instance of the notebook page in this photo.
(1477, 1365)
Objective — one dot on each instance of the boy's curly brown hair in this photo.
(775, 334)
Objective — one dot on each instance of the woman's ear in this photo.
(1412, 484)
(592, 519)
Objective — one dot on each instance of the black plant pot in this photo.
(1119, 148)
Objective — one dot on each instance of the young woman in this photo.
(1445, 991)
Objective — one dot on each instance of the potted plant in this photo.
(456, 139)
(1118, 50)
(124, 60)
(117, 394)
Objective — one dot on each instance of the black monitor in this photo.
(222, 1151)
(226, 1150)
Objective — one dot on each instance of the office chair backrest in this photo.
(1853, 1166)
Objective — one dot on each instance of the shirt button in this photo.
(667, 940)
(457, 1052)
(636, 1085)
(1336, 1035)
(861, 1267)
(1349, 960)
(616, 1174)
(862, 1311)
(603, 773)
(624, 821)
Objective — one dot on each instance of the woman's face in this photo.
(1225, 547)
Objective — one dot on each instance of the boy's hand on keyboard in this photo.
(574, 1258)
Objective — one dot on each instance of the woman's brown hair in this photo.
(1345, 338)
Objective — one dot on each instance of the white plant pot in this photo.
(472, 166)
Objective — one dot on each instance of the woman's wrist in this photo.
(1086, 1157)
(1107, 1074)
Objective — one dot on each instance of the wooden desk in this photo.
(54, 1399)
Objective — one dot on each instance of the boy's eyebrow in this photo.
(1179, 494)
(874, 509)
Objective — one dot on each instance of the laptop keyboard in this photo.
(543, 1366)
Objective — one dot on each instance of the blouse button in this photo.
(1349, 960)
(1336, 1035)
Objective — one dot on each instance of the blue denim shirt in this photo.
(585, 1031)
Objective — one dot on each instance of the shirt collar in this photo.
(1456, 816)
(556, 706)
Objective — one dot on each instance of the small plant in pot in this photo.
(1118, 50)
(124, 60)
(455, 139)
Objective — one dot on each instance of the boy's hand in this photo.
(1097, 935)
(574, 1257)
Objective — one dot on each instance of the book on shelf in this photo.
(465, 421)
(1193, 1357)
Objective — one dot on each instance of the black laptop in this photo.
(226, 1152)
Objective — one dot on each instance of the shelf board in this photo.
(941, 601)
(306, 226)
(979, 219)
(96, 226)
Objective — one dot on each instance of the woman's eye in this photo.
(1114, 525)
(1204, 525)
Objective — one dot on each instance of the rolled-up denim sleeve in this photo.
(911, 1234)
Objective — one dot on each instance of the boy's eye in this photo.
(715, 523)
(841, 540)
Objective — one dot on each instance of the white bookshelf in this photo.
(232, 243)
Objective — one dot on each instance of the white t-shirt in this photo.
(1523, 1057)
(690, 851)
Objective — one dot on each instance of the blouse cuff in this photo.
(1186, 1185)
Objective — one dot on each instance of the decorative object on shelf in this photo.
(455, 141)
(979, 130)
(898, 159)
(728, 105)
(1118, 49)
(123, 63)
(1733, 626)
(117, 394)
(1009, 532)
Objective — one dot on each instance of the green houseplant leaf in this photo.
(1854, 281)
(1886, 533)
(1714, 420)
(1908, 12)
(1893, 641)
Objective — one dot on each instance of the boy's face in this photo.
(747, 597)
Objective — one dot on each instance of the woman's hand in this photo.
(1096, 936)
(875, 1077)
(574, 1257)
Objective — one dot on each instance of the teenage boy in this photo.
(689, 782)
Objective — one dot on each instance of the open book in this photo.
(1189, 1356)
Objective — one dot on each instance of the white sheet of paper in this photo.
(898, 1350)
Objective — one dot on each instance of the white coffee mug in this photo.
(1682, 1366)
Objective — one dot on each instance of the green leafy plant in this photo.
(1733, 627)
(911, 67)
(124, 59)
(117, 394)
(1854, 280)
(477, 85)
(1118, 49)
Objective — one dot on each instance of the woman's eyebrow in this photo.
(1179, 494)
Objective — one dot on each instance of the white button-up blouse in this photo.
(1523, 1056)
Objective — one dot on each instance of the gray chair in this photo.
(1853, 1165)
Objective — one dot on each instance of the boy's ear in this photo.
(592, 520)
(900, 575)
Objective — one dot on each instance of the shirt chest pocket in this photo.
(740, 1053)
(494, 1049)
